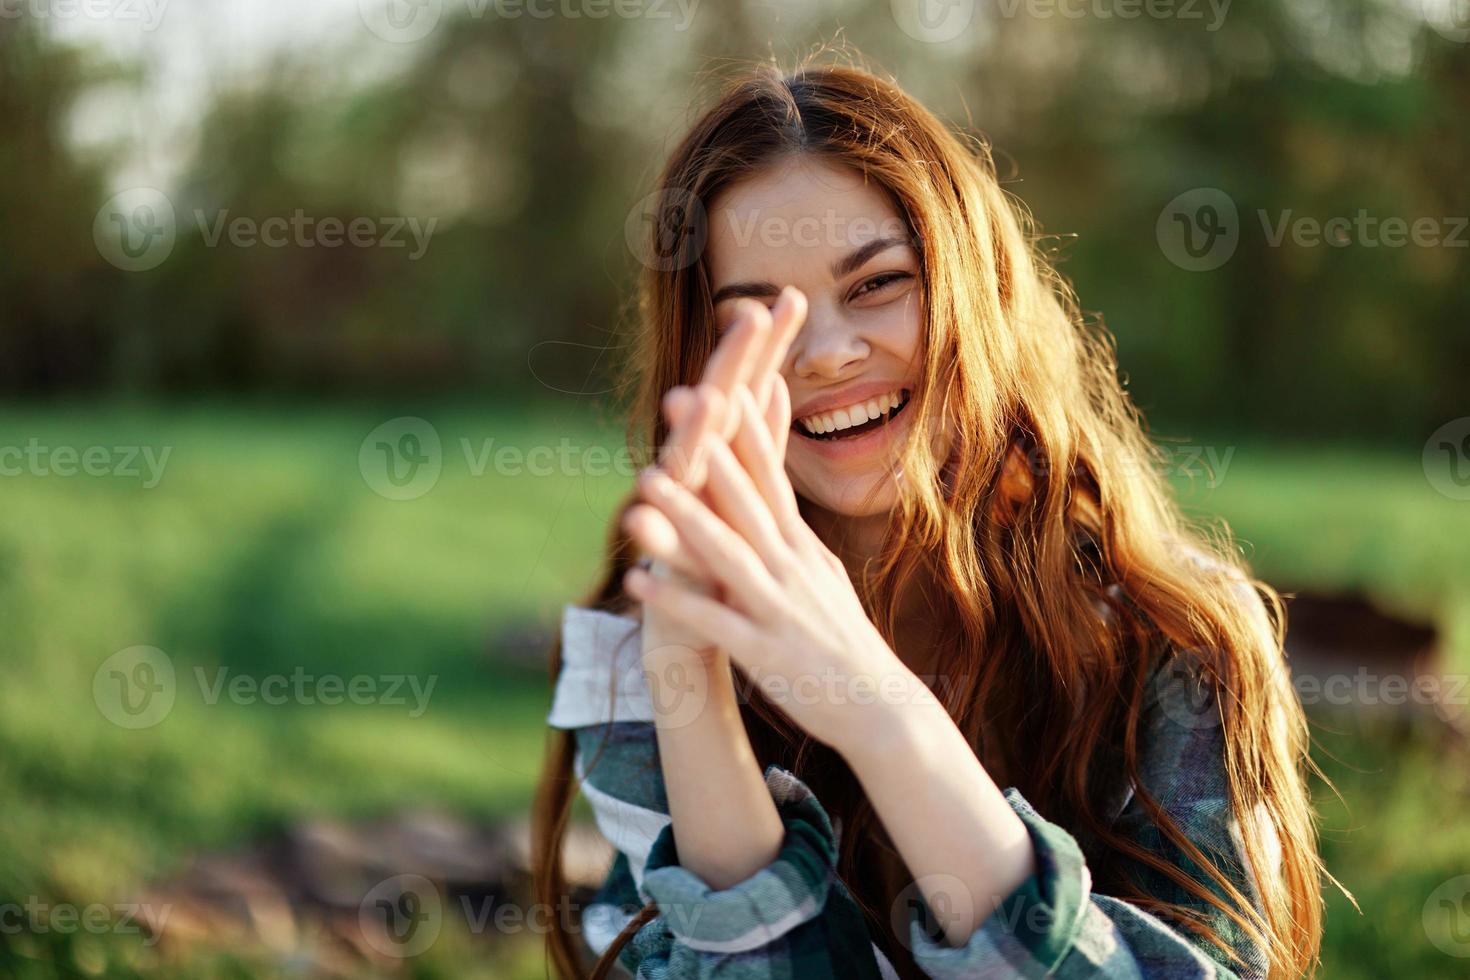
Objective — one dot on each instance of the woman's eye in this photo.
(879, 283)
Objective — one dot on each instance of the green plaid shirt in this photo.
(795, 919)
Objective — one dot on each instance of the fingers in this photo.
(749, 355)
(787, 316)
(778, 417)
(765, 465)
(656, 538)
(737, 500)
(729, 558)
(745, 355)
(678, 402)
(705, 617)
(729, 368)
(692, 412)
(734, 357)
(747, 488)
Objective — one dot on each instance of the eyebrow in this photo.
(844, 266)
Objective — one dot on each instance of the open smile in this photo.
(853, 421)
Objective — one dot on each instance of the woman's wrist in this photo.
(725, 821)
(913, 763)
(664, 644)
(903, 720)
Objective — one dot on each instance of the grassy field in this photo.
(262, 549)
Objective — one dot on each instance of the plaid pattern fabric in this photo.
(794, 919)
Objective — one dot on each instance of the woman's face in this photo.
(853, 366)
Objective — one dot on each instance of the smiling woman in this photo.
(901, 548)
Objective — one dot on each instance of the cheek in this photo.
(902, 331)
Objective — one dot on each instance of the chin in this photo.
(869, 494)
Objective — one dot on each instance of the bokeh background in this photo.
(311, 325)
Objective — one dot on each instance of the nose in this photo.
(826, 347)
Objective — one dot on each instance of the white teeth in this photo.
(851, 415)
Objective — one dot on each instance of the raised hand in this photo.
(748, 358)
(723, 816)
(784, 608)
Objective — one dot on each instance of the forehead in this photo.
(799, 213)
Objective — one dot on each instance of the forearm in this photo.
(725, 823)
(961, 841)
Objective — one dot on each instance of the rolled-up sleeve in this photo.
(1055, 925)
(793, 918)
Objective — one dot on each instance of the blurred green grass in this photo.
(263, 549)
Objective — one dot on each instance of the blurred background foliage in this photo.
(527, 141)
(1315, 373)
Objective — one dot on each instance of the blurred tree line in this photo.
(527, 141)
